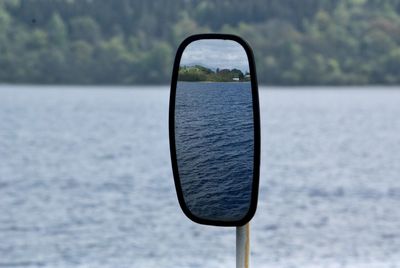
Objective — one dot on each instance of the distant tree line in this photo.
(302, 42)
(198, 73)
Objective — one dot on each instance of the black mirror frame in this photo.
(257, 132)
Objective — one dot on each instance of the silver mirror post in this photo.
(243, 246)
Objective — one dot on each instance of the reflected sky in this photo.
(223, 54)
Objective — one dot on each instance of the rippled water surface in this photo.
(85, 181)
(214, 134)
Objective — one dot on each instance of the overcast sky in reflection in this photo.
(222, 54)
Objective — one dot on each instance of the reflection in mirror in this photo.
(214, 130)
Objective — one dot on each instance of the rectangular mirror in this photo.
(215, 130)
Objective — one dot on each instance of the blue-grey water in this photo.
(86, 181)
(214, 137)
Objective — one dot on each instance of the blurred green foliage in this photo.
(302, 42)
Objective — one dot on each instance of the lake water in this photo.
(214, 136)
(86, 181)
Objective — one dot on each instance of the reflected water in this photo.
(214, 136)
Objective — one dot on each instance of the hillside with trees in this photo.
(198, 73)
(302, 42)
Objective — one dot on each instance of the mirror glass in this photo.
(214, 130)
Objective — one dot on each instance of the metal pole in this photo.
(243, 246)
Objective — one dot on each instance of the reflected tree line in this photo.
(198, 73)
(303, 42)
